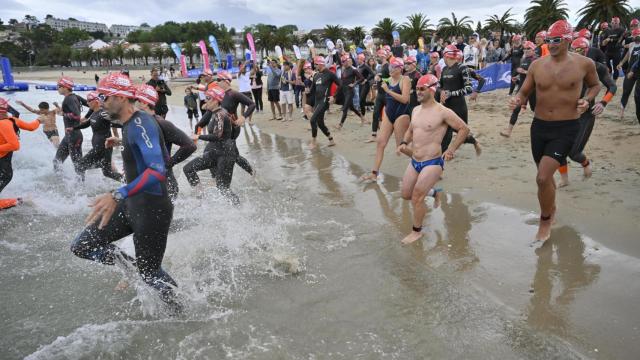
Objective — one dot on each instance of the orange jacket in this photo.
(9, 141)
(545, 50)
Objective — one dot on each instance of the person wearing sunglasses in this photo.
(588, 118)
(429, 123)
(558, 80)
(141, 207)
(527, 59)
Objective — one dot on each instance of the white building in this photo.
(121, 31)
(61, 24)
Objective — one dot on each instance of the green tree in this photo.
(71, 36)
(356, 35)
(16, 53)
(145, 52)
(417, 25)
(384, 29)
(188, 50)
(87, 55)
(454, 26)
(118, 52)
(98, 34)
(263, 37)
(543, 13)
(107, 54)
(169, 54)
(595, 11)
(132, 54)
(76, 56)
(158, 53)
(333, 32)
(503, 23)
(284, 38)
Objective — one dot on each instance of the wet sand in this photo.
(579, 287)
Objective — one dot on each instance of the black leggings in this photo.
(71, 144)
(364, 93)
(512, 85)
(99, 158)
(6, 171)
(516, 111)
(220, 160)
(349, 93)
(377, 110)
(587, 121)
(317, 119)
(615, 59)
(145, 216)
(257, 96)
(627, 89)
(636, 97)
(459, 106)
(244, 164)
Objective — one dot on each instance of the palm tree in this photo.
(356, 35)
(188, 51)
(118, 52)
(169, 54)
(145, 52)
(454, 26)
(132, 54)
(502, 23)
(87, 55)
(417, 25)
(76, 56)
(107, 54)
(158, 53)
(263, 37)
(384, 29)
(542, 14)
(598, 10)
(333, 32)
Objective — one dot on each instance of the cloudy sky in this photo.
(306, 14)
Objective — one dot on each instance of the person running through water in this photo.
(455, 83)
(99, 156)
(147, 97)
(220, 154)
(9, 142)
(588, 118)
(142, 207)
(395, 117)
(555, 126)
(320, 88)
(527, 59)
(350, 78)
(429, 123)
(71, 143)
(48, 119)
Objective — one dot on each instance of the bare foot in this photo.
(312, 144)
(621, 113)
(369, 177)
(478, 148)
(544, 230)
(564, 180)
(273, 118)
(338, 127)
(412, 237)
(588, 171)
(332, 143)
(436, 198)
(506, 133)
(122, 285)
(370, 140)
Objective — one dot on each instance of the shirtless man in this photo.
(557, 80)
(47, 118)
(429, 123)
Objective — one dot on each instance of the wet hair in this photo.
(43, 105)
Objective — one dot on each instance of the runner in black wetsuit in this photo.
(350, 78)
(588, 118)
(410, 71)
(220, 154)
(71, 143)
(142, 207)
(147, 97)
(383, 74)
(365, 86)
(99, 156)
(529, 57)
(594, 53)
(308, 97)
(230, 103)
(632, 56)
(633, 72)
(320, 91)
(515, 54)
(611, 40)
(455, 83)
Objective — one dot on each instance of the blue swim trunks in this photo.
(419, 165)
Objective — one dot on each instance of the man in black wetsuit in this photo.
(147, 97)
(529, 56)
(99, 156)
(220, 154)
(455, 83)
(320, 90)
(383, 74)
(515, 54)
(142, 207)
(350, 78)
(163, 90)
(611, 40)
(71, 143)
(631, 57)
(411, 71)
(365, 85)
(230, 103)
(594, 53)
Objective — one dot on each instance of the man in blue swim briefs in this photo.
(429, 122)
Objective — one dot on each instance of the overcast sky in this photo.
(306, 14)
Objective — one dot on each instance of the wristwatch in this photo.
(117, 196)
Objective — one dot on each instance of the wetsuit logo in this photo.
(506, 77)
(143, 132)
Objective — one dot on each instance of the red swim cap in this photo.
(117, 84)
(319, 60)
(410, 60)
(435, 55)
(529, 45)
(65, 82)
(4, 105)
(561, 29)
(93, 96)
(635, 32)
(542, 34)
(224, 75)
(396, 62)
(387, 48)
(207, 71)
(429, 81)
(584, 33)
(451, 52)
(215, 92)
(147, 94)
(635, 22)
(580, 43)
(516, 37)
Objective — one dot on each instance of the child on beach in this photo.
(48, 119)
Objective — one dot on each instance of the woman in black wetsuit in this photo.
(515, 54)
(350, 77)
